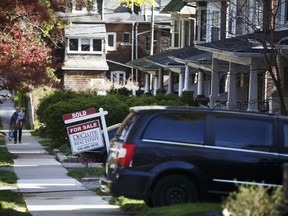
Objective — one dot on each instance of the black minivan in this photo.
(168, 155)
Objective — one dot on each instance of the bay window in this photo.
(86, 45)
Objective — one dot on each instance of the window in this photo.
(176, 34)
(85, 45)
(97, 45)
(244, 134)
(147, 43)
(215, 30)
(222, 82)
(126, 37)
(203, 21)
(73, 44)
(111, 40)
(83, 5)
(178, 127)
(187, 33)
(286, 11)
(118, 77)
(259, 14)
(286, 138)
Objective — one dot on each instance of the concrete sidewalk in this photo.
(42, 180)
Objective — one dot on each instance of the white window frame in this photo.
(118, 77)
(111, 48)
(90, 45)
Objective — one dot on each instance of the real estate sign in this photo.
(86, 136)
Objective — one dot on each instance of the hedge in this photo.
(54, 106)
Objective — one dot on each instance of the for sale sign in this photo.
(85, 137)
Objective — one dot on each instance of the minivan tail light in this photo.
(126, 155)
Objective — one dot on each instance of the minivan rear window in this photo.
(177, 127)
(127, 125)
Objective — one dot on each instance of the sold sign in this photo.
(79, 116)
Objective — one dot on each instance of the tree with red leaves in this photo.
(30, 33)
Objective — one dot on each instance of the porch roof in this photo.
(175, 59)
(195, 58)
(250, 45)
(179, 57)
(143, 65)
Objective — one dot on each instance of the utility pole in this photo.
(152, 31)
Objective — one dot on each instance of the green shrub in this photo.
(54, 106)
(55, 97)
(253, 200)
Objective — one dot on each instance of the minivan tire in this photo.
(174, 189)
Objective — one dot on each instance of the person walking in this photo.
(16, 124)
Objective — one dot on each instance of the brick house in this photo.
(102, 37)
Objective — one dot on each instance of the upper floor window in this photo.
(281, 10)
(201, 23)
(147, 43)
(111, 36)
(126, 37)
(188, 33)
(85, 45)
(176, 34)
(215, 30)
(84, 5)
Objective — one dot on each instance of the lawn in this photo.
(11, 203)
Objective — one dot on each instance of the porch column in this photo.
(160, 79)
(181, 83)
(155, 84)
(147, 83)
(186, 79)
(200, 79)
(170, 83)
(214, 83)
(231, 100)
(253, 90)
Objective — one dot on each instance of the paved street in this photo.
(47, 190)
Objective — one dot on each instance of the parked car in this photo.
(100, 154)
(169, 155)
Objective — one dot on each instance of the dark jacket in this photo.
(14, 123)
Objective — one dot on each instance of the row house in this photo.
(102, 36)
(224, 67)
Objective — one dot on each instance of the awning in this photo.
(85, 62)
(85, 30)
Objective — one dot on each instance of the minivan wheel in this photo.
(174, 189)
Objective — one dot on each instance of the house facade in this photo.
(232, 71)
(102, 37)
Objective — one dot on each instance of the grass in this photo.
(6, 158)
(87, 172)
(12, 204)
(191, 209)
(138, 207)
(8, 178)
